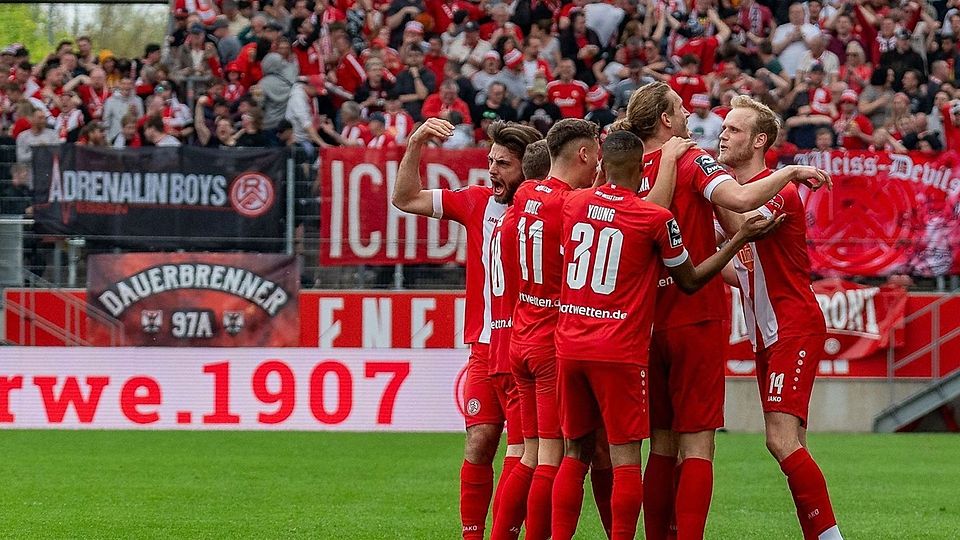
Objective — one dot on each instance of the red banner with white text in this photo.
(887, 214)
(358, 223)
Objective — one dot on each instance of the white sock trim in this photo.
(833, 533)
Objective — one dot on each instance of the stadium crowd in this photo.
(854, 74)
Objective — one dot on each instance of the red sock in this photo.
(809, 490)
(626, 501)
(508, 464)
(476, 487)
(513, 506)
(693, 498)
(658, 487)
(539, 505)
(567, 498)
(602, 481)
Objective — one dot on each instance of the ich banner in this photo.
(196, 299)
(150, 198)
(358, 223)
(887, 214)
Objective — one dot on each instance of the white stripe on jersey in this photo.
(708, 191)
(743, 276)
(437, 203)
(678, 260)
(491, 214)
(766, 316)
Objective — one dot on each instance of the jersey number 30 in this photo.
(606, 263)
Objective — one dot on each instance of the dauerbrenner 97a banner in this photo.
(359, 225)
(150, 198)
(196, 299)
(887, 214)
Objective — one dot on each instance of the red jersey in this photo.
(350, 74)
(704, 48)
(475, 208)
(504, 277)
(774, 275)
(853, 143)
(698, 174)
(569, 97)
(951, 132)
(686, 86)
(386, 140)
(538, 240)
(357, 133)
(433, 107)
(93, 99)
(613, 245)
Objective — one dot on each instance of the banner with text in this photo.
(194, 388)
(887, 214)
(358, 223)
(196, 299)
(162, 197)
(858, 318)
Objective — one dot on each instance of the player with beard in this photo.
(688, 343)
(784, 320)
(504, 275)
(477, 208)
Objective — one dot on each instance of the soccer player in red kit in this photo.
(477, 208)
(687, 348)
(613, 245)
(574, 159)
(504, 277)
(784, 321)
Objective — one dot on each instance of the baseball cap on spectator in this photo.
(816, 67)
(233, 66)
(903, 33)
(492, 55)
(471, 27)
(378, 43)
(414, 26)
(513, 58)
(197, 28)
(539, 87)
(598, 95)
(700, 100)
(8, 51)
(849, 96)
(220, 22)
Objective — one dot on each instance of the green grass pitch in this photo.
(109, 484)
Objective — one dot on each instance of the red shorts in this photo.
(535, 372)
(480, 402)
(509, 399)
(785, 373)
(686, 377)
(603, 394)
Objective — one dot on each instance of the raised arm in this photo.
(662, 192)
(408, 193)
(692, 278)
(744, 198)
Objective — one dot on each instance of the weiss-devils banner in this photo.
(887, 214)
(188, 388)
(358, 223)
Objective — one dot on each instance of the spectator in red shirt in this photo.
(688, 81)
(566, 93)
(443, 11)
(951, 124)
(379, 136)
(704, 47)
(350, 74)
(500, 25)
(854, 130)
(446, 100)
(435, 59)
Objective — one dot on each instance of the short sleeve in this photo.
(457, 205)
(706, 172)
(669, 240)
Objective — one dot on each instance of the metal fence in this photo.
(61, 260)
